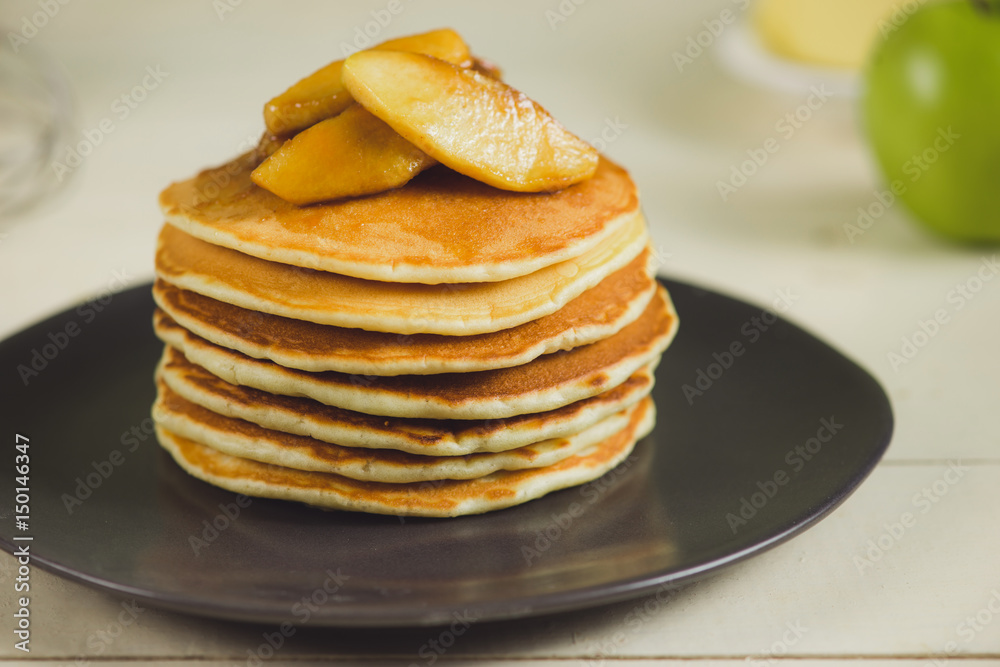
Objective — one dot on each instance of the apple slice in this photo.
(445, 44)
(354, 153)
(470, 122)
(321, 94)
(268, 144)
(485, 67)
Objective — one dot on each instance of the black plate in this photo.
(110, 509)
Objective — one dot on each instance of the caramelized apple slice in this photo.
(445, 44)
(268, 144)
(472, 123)
(485, 67)
(318, 96)
(321, 94)
(351, 154)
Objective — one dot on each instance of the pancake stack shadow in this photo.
(441, 349)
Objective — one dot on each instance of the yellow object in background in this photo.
(834, 33)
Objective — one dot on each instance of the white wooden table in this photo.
(854, 587)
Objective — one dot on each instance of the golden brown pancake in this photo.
(549, 382)
(432, 499)
(244, 439)
(439, 227)
(596, 314)
(328, 298)
(428, 437)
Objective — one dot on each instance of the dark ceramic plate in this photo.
(780, 435)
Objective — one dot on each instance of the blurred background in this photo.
(742, 122)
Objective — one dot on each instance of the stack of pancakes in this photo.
(440, 349)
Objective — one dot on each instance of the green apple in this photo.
(931, 109)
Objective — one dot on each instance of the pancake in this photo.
(431, 499)
(429, 437)
(596, 314)
(549, 382)
(327, 298)
(440, 227)
(247, 440)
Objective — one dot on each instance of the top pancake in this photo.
(441, 227)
